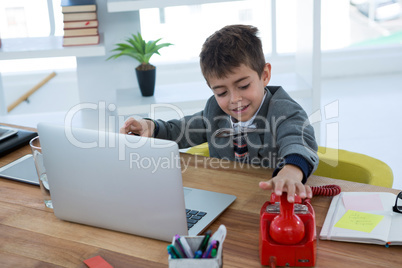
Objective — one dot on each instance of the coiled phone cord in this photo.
(326, 190)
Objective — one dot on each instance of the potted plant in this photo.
(142, 51)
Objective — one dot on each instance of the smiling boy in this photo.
(246, 120)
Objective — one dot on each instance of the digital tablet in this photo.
(6, 132)
(22, 169)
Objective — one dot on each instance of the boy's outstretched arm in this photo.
(289, 179)
(141, 127)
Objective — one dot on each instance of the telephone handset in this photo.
(286, 228)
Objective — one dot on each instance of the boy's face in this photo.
(241, 92)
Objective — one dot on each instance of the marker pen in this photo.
(171, 253)
(207, 253)
(180, 246)
(198, 254)
(174, 250)
(213, 253)
(204, 243)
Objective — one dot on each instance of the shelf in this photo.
(43, 47)
(133, 5)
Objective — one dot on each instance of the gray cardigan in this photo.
(282, 125)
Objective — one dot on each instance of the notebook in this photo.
(363, 217)
(11, 139)
(122, 182)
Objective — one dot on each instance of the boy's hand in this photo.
(141, 127)
(288, 180)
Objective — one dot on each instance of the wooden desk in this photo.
(31, 236)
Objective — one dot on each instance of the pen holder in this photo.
(194, 242)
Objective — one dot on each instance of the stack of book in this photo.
(80, 22)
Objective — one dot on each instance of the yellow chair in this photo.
(339, 164)
(351, 166)
(201, 149)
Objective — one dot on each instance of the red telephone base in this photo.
(300, 254)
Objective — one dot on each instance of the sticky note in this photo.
(359, 221)
(362, 202)
(97, 262)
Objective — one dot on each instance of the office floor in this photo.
(367, 119)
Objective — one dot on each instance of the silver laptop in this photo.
(122, 182)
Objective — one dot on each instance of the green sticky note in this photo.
(359, 221)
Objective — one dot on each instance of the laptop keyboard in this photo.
(193, 216)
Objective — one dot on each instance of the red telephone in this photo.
(287, 232)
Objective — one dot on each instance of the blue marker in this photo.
(198, 254)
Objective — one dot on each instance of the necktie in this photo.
(240, 147)
(239, 135)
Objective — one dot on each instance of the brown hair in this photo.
(230, 47)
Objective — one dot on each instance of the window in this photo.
(344, 24)
(347, 24)
(187, 27)
(26, 18)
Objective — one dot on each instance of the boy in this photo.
(245, 120)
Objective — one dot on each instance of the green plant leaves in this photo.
(137, 48)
